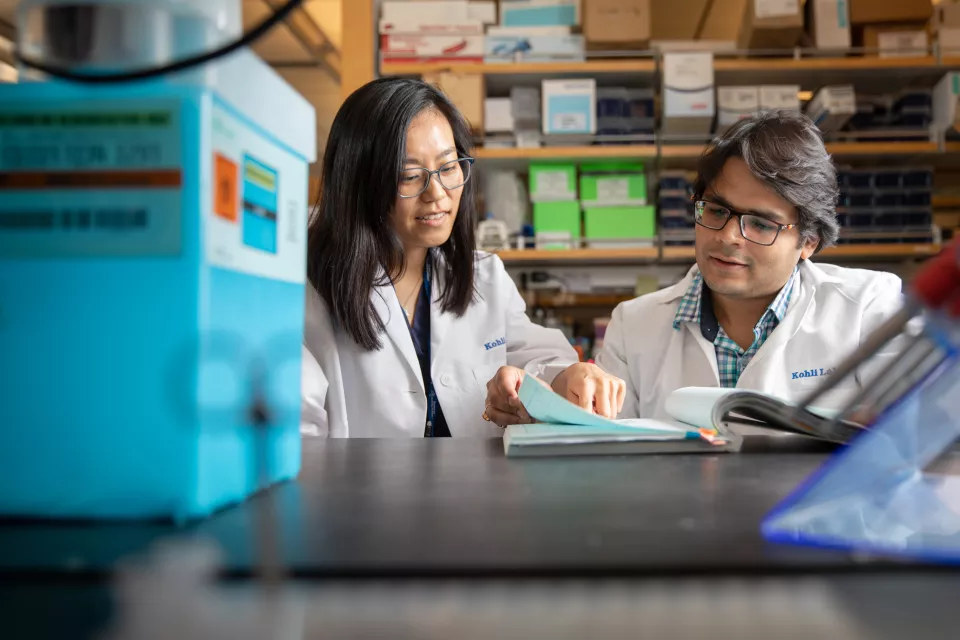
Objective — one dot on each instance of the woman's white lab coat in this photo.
(833, 311)
(350, 392)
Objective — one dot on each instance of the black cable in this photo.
(179, 65)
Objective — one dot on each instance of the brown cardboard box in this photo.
(624, 23)
(867, 11)
(945, 27)
(776, 30)
(676, 19)
(946, 14)
(724, 20)
(908, 39)
(467, 91)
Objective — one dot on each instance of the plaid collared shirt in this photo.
(731, 359)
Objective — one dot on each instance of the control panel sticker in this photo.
(90, 178)
(257, 189)
(259, 205)
(225, 188)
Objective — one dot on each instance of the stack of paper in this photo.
(565, 429)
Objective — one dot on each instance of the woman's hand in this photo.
(591, 388)
(503, 405)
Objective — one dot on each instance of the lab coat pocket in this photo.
(484, 373)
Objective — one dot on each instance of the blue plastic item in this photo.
(895, 490)
(152, 273)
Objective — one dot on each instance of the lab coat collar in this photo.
(387, 306)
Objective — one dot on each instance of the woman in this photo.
(409, 331)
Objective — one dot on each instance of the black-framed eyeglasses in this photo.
(451, 175)
(754, 228)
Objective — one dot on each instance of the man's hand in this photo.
(503, 405)
(591, 388)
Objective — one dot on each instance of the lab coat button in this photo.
(445, 380)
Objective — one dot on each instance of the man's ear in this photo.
(809, 247)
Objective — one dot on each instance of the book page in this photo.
(694, 405)
(545, 406)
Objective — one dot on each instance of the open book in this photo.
(701, 418)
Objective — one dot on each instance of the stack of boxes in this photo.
(891, 28)
(451, 31)
(832, 107)
(884, 206)
(688, 95)
(612, 201)
(615, 210)
(894, 116)
(535, 31)
(676, 209)
(513, 121)
(569, 111)
(625, 112)
(616, 24)
(556, 210)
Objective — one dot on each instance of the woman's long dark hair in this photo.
(351, 238)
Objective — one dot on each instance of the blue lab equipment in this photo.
(152, 274)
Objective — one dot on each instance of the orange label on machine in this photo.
(225, 188)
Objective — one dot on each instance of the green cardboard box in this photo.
(613, 184)
(556, 225)
(620, 226)
(553, 182)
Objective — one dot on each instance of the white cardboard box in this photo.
(946, 95)
(430, 48)
(734, 104)
(780, 97)
(498, 115)
(509, 49)
(483, 10)
(902, 44)
(949, 40)
(430, 12)
(830, 26)
(688, 93)
(418, 25)
(569, 106)
(832, 107)
(540, 13)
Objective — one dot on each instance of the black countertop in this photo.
(389, 508)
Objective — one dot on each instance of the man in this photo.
(753, 313)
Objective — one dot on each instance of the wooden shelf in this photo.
(634, 65)
(649, 65)
(946, 202)
(652, 254)
(524, 256)
(858, 63)
(570, 153)
(693, 151)
(570, 300)
(879, 251)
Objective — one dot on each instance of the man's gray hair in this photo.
(785, 150)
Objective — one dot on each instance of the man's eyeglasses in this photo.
(754, 228)
(451, 175)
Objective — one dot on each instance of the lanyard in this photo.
(424, 356)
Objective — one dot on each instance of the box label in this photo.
(553, 183)
(564, 122)
(90, 178)
(902, 43)
(258, 218)
(613, 190)
(775, 8)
